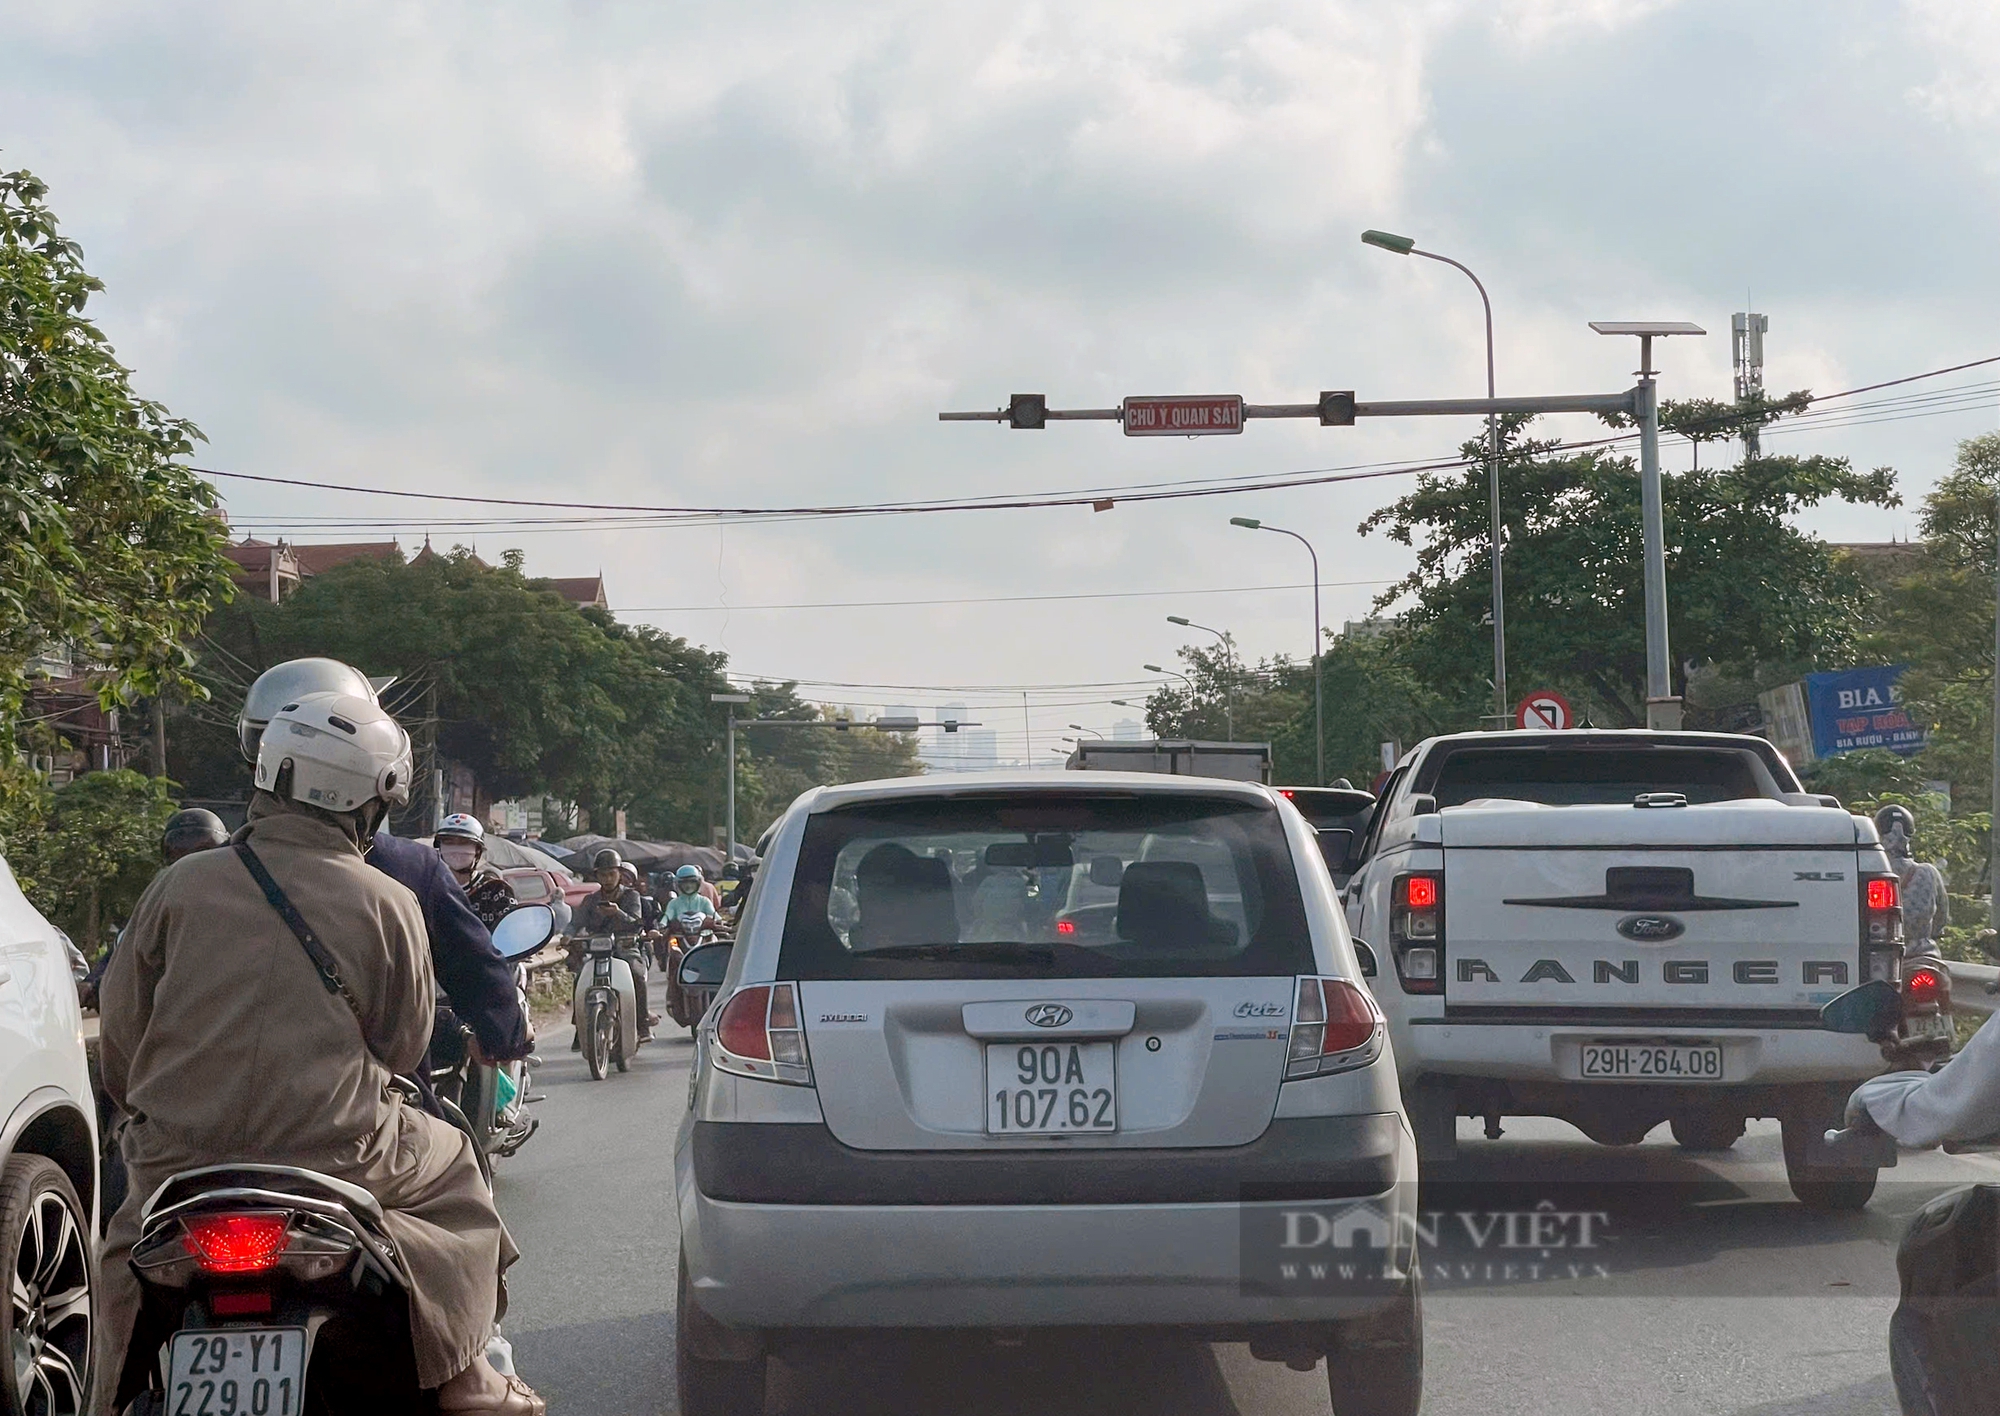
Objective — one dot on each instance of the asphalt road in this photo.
(1711, 1291)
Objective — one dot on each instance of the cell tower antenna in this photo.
(1746, 342)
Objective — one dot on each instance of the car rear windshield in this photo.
(1046, 885)
(1599, 776)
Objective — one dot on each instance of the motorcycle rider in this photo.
(617, 908)
(221, 1042)
(478, 983)
(688, 898)
(461, 843)
(1920, 885)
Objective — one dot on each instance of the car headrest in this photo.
(903, 898)
(1165, 902)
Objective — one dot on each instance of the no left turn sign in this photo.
(1544, 711)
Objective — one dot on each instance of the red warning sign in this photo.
(1544, 711)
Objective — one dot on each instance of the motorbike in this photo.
(268, 1288)
(1944, 1336)
(492, 1099)
(606, 1007)
(684, 935)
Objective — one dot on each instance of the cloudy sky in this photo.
(741, 253)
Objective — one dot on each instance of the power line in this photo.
(992, 599)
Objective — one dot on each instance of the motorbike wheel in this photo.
(618, 1057)
(596, 1038)
(45, 1243)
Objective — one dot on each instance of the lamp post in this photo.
(1228, 662)
(1251, 523)
(1080, 728)
(729, 752)
(1407, 246)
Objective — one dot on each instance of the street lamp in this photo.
(1078, 727)
(1407, 246)
(1251, 523)
(1228, 660)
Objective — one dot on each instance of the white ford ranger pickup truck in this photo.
(1620, 928)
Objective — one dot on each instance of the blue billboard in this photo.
(1860, 708)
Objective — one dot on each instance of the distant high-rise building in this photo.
(1126, 730)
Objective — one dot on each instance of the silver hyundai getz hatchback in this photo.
(1017, 1050)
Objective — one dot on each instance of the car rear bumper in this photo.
(1550, 1051)
(811, 1266)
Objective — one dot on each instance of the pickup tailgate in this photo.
(1728, 905)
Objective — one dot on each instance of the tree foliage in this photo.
(110, 542)
(84, 858)
(1746, 589)
(775, 765)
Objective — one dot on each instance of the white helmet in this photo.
(344, 752)
(288, 683)
(461, 825)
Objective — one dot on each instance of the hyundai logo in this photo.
(1049, 1015)
(1651, 928)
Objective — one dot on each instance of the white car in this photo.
(49, 1176)
(1620, 928)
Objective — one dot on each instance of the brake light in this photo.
(1881, 927)
(1924, 986)
(240, 1304)
(237, 1243)
(1065, 926)
(757, 1034)
(1334, 1027)
(1416, 931)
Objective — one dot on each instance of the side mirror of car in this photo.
(1365, 956)
(523, 930)
(1423, 804)
(704, 967)
(1873, 1010)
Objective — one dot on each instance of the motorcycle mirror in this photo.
(1872, 1010)
(705, 966)
(523, 930)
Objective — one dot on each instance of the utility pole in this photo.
(1663, 709)
(1993, 833)
(159, 736)
(1746, 349)
(729, 761)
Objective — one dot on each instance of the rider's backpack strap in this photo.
(322, 958)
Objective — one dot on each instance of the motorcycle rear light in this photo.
(1882, 893)
(237, 1243)
(1924, 987)
(757, 1034)
(1065, 927)
(1335, 1027)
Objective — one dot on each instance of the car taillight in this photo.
(1416, 931)
(1334, 1027)
(1881, 927)
(236, 1243)
(757, 1034)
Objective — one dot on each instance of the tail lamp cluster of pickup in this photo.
(1416, 930)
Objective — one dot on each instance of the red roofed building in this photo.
(272, 570)
(581, 590)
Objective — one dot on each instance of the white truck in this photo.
(1620, 928)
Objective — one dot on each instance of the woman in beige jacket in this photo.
(220, 1042)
